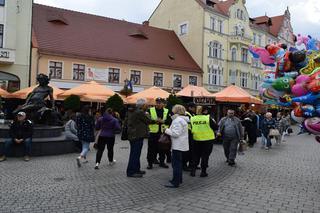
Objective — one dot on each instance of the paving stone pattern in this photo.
(284, 179)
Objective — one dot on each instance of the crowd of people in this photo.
(189, 130)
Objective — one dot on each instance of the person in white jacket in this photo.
(178, 132)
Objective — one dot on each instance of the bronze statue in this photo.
(35, 105)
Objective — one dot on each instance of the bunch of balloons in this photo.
(295, 81)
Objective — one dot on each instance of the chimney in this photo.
(145, 23)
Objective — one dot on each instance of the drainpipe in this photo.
(30, 52)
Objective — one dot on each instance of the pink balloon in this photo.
(302, 79)
(313, 125)
(299, 90)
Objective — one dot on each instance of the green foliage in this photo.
(173, 100)
(115, 102)
(72, 103)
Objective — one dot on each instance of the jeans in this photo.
(134, 157)
(102, 141)
(177, 167)
(27, 146)
(268, 140)
(85, 148)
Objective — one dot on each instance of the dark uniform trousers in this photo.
(201, 150)
(153, 149)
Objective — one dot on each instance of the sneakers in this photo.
(78, 161)
(3, 158)
(26, 158)
(267, 148)
(97, 166)
(112, 163)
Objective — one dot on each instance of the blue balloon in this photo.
(310, 98)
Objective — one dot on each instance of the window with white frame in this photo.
(135, 77)
(183, 29)
(79, 72)
(193, 80)
(215, 49)
(220, 24)
(55, 70)
(234, 54)
(255, 82)
(177, 81)
(232, 76)
(254, 38)
(213, 23)
(244, 55)
(260, 40)
(114, 75)
(215, 76)
(244, 79)
(158, 79)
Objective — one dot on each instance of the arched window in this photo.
(9, 82)
(233, 54)
(215, 49)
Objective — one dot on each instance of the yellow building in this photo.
(73, 47)
(15, 37)
(217, 34)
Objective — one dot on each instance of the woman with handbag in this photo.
(178, 132)
(108, 126)
(268, 126)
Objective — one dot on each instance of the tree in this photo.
(72, 103)
(173, 100)
(115, 102)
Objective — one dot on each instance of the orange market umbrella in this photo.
(23, 93)
(4, 93)
(234, 94)
(149, 94)
(91, 89)
(98, 99)
(194, 91)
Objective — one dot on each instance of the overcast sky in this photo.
(305, 13)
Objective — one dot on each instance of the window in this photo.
(244, 55)
(255, 82)
(158, 79)
(220, 23)
(114, 75)
(238, 13)
(135, 77)
(2, 2)
(236, 30)
(177, 81)
(269, 41)
(215, 49)
(183, 29)
(260, 40)
(193, 80)
(79, 72)
(1, 35)
(241, 15)
(232, 76)
(254, 38)
(244, 79)
(215, 76)
(55, 70)
(213, 23)
(234, 54)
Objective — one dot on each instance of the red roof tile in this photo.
(75, 34)
(219, 6)
(276, 21)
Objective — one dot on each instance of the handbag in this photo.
(274, 132)
(164, 142)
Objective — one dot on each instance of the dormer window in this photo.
(183, 29)
(210, 3)
(138, 34)
(55, 17)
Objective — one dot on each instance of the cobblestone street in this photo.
(284, 179)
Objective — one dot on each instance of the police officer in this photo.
(160, 121)
(203, 127)
(187, 156)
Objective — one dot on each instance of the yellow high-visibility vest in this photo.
(201, 129)
(154, 128)
(190, 116)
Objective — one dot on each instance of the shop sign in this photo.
(7, 56)
(204, 101)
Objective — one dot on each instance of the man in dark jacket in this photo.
(21, 131)
(138, 122)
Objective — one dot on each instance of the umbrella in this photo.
(23, 93)
(149, 94)
(234, 94)
(194, 91)
(91, 89)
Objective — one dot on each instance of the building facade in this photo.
(73, 47)
(15, 43)
(218, 33)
